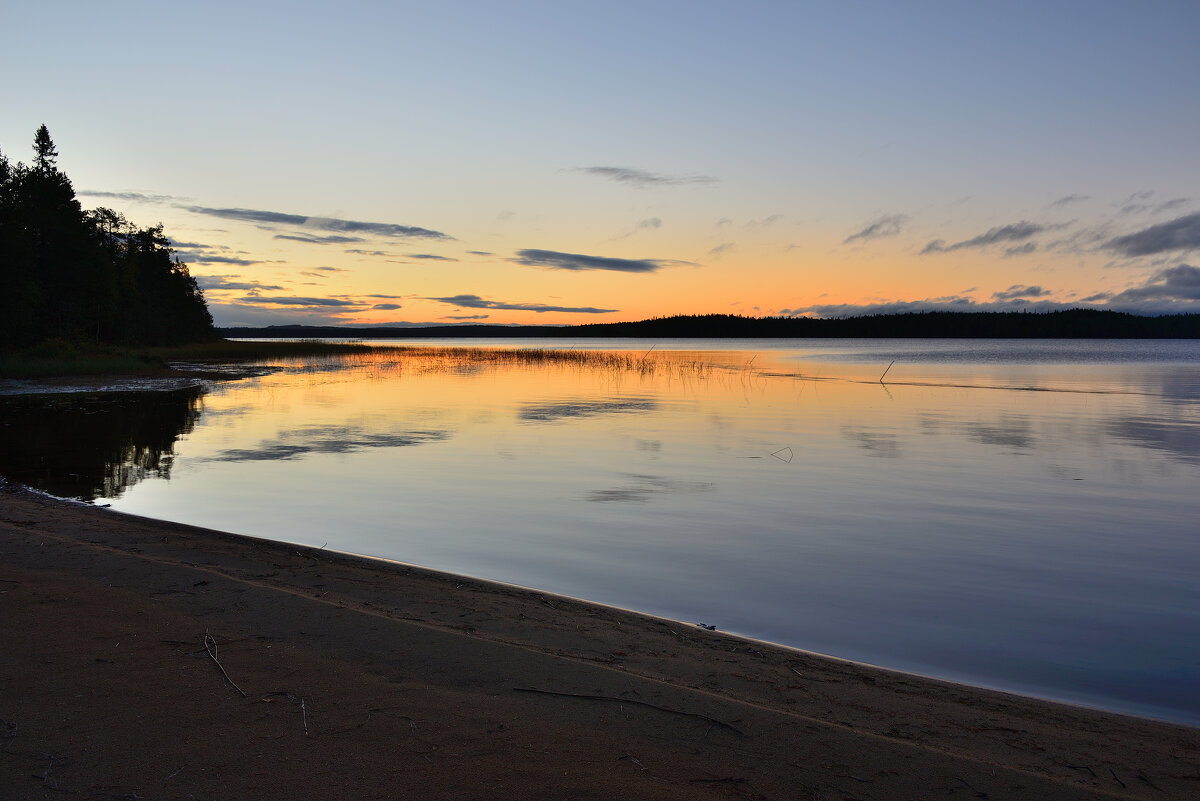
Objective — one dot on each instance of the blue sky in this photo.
(654, 158)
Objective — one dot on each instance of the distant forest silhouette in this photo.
(78, 275)
(1067, 324)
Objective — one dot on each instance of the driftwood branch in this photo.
(713, 721)
(210, 648)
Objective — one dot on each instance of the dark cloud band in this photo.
(643, 178)
(476, 302)
(1017, 232)
(1182, 233)
(321, 223)
(578, 261)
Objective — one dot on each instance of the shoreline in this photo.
(369, 678)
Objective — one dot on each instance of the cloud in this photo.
(334, 239)
(223, 282)
(428, 257)
(1180, 283)
(577, 261)
(293, 301)
(481, 253)
(1067, 200)
(1020, 250)
(1015, 232)
(320, 223)
(1020, 291)
(888, 225)
(467, 316)
(355, 252)
(643, 179)
(136, 197)
(199, 257)
(1182, 233)
(387, 306)
(1175, 290)
(721, 249)
(476, 302)
(952, 303)
(765, 222)
(649, 223)
(1137, 202)
(1170, 205)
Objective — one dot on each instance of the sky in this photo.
(579, 162)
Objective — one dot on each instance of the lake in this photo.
(1017, 514)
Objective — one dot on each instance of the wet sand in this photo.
(150, 660)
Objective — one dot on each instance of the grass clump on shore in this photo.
(58, 358)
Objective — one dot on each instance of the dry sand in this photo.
(328, 677)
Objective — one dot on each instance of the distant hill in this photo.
(1069, 324)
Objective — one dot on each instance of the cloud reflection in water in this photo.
(327, 439)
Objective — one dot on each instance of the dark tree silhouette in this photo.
(75, 275)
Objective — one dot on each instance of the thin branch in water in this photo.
(885, 372)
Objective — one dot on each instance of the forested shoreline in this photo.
(81, 276)
(1067, 324)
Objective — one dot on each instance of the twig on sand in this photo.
(210, 647)
(713, 721)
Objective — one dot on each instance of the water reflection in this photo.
(1177, 439)
(1009, 431)
(551, 412)
(342, 439)
(93, 445)
(883, 444)
(1041, 541)
(642, 488)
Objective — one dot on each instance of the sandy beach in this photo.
(150, 660)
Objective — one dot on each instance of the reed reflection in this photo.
(93, 445)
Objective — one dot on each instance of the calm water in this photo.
(1021, 515)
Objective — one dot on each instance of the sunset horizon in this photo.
(464, 164)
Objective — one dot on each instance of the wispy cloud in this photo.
(391, 230)
(1067, 200)
(223, 282)
(334, 239)
(1137, 202)
(644, 178)
(387, 306)
(1015, 232)
(1182, 233)
(476, 302)
(201, 255)
(136, 197)
(269, 300)
(721, 249)
(428, 257)
(887, 225)
(1020, 250)
(578, 261)
(1020, 291)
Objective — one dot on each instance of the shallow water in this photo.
(1015, 514)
